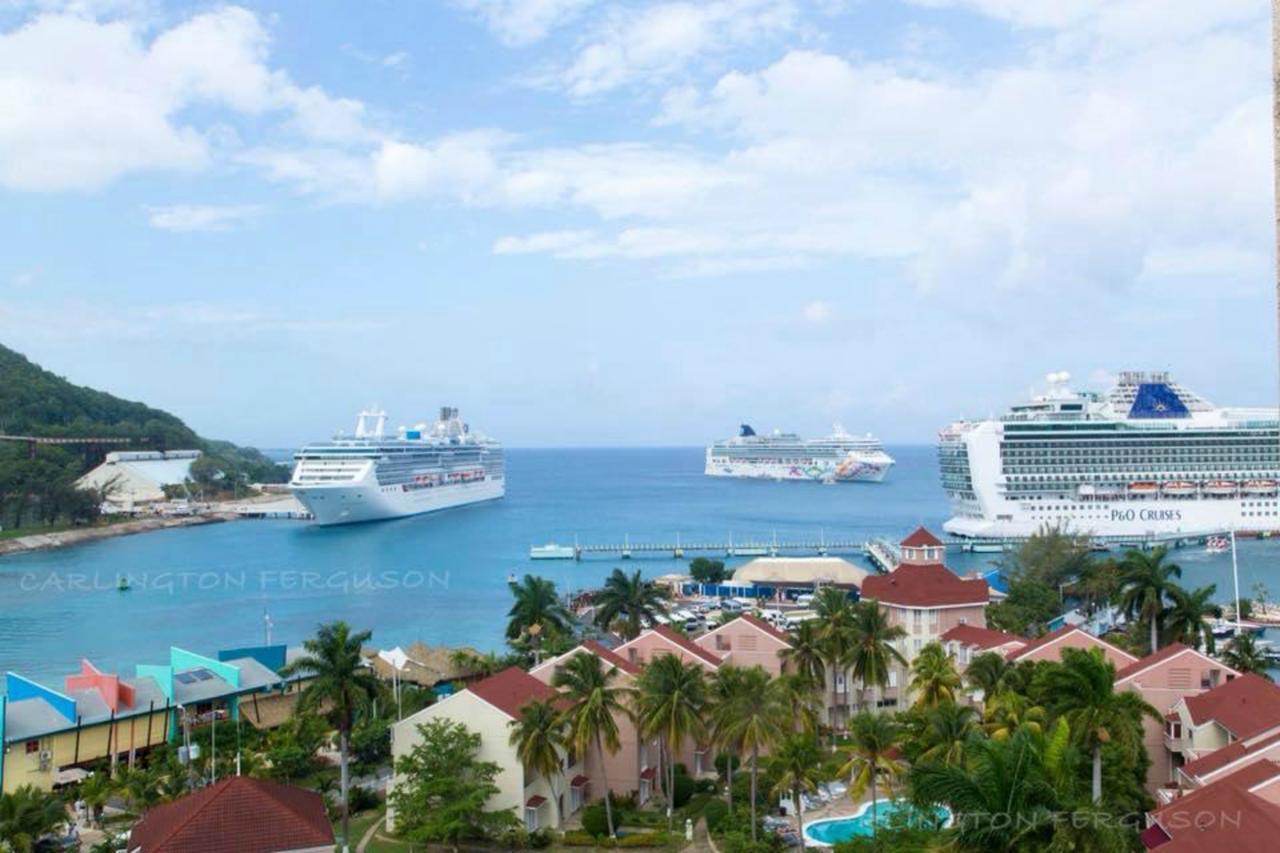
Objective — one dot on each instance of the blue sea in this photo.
(442, 578)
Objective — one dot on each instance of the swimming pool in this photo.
(825, 833)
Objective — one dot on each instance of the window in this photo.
(531, 819)
(722, 643)
(33, 746)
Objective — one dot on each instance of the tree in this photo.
(804, 657)
(1010, 711)
(872, 647)
(631, 600)
(1051, 556)
(1243, 655)
(796, 765)
(726, 693)
(947, 729)
(987, 672)
(1082, 689)
(595, 703)
(539, 738)
(874, 752)
(535, 603)
(1145, 580)
(708, 571)
(444, 788)
(1029, 605)
(798, 693)
(670, 701)
(754, 723)
(934, 679)
(95, 791)
(1187, 619)
(28, 814)
(339, 680)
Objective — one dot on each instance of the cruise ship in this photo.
(371, 475)
(1149, 459)
(838, 458)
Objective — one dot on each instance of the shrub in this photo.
(629, 801)
(706, 786)
(740, 842)
(362, 799)
(595, 821)
(540, 839)
(684, 789)
(643, 839)
(715, 813)
(580, 839)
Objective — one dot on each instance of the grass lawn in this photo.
(360, 824)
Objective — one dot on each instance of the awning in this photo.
(535, 801)
(649, 773)
(1153, 836)
(579, 781)
(70, 775)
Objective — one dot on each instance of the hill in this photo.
(34, 401)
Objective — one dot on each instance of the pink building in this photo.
(1163, 680)
(927, 599)
(1240, 812)
(1050, 646)
(746, 642)
(664, 640)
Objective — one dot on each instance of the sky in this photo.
(634, 223)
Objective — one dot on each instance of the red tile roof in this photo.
(921, 538)
(688, 645)
(511, 689)
(1046, 639)
(1170, 651)
(924, 585)
(1243, 706)
(236, 815)
(1233, 751)
(1221, 816)
(981, 638)
(611, 657)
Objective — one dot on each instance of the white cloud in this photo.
(653, 42)
(523, 22)
(817, 312)
(201, 217)
(83, 102)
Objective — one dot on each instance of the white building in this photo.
(133, 477)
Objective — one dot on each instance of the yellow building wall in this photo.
(26, 768)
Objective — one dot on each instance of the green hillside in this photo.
(40, 491)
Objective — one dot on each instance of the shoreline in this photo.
(79, 536)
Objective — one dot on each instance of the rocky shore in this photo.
(77, 536)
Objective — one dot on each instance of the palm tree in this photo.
(1083, 691)
(1187, 619)
(798, 694)
(804, 657)
(1010, 711)
(28, 814)
(633, 600)
(95, 790)
(755, 723)
(536, 603)
(1145, 579)
(726, 694)
(835, 635)
(1243, 655)
(539, 739)
(338, 679)
(797, 767)
(670, 702)
(872, 649)
(874, 752)
(934, 679)
(595, 703)
(987, 672)
(947, 729)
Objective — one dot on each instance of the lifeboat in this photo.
(1260, 487)
(1179, 488)
(1142, 488)
(1219, 487)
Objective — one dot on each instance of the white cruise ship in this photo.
(839, 457)
(371, 476)
(1148, 459)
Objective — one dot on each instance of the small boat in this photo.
(1219, 487)
(552, 551)
(1260, 487)
(1142, 488)
(1179, 488)
(1217, 545)
(122, 584)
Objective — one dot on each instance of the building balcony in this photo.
(1172, 743)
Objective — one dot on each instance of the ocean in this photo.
(441, 578)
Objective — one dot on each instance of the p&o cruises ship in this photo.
(839, 457)
(1148, 459)
(371, 476)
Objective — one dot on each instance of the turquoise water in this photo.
(442, 577)
(843, 829)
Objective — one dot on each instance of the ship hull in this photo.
(1138, 519)
(351, 503)
(846, 471)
